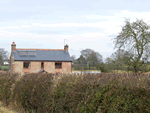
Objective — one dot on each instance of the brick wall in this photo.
(18, 67)
(66, 67)
(36, 66)
(49, 67)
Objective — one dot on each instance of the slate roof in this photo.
(42, 55)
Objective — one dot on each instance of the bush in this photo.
(70, 93)
(85, 68)
(3, 82)
(86, 94)
(144, 68)
(33, 91)
(6, 81)
(103, 69)
(77, 68)
(5, 69)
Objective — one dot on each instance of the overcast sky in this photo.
(84, 23)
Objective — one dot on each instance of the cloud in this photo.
(96, 35)
(108, 27)
(111, 25)
(44, 32)
(4, 2)
(99, 17)
(101, 35)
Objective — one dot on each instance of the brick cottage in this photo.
(33, 60)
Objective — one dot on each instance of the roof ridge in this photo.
(42, 49)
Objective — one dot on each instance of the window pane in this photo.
(31, 53)
(42, 64)
(22, 53)
(58, 65)
(26, 64)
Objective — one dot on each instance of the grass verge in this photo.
(5, 109)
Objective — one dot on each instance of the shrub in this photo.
(7, 80)
(91, 93)
(85, 68)
(144, 68)
(5, 69)
(3, 82)
(33, 91)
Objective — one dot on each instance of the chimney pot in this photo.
(66, 47)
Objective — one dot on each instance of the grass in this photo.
(5, 67)
(121, 71)
(5, 109)
(86, 70)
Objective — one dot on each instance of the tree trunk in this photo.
(135, 69)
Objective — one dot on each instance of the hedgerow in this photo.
(71, 93)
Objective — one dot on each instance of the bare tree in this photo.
(92, 56)
(3, 55)
(73, 57)
(135, 38)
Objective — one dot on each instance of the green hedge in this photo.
(70, 93)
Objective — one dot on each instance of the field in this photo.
(5, 67)
(76, 93)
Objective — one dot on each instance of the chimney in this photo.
(13, 46)
(66, 48)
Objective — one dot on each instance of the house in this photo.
(33, 60)
(6, 63)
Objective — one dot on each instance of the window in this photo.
(22, 53)
(58, 65)
(26, 65)
(31, 53)
(42, 64)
